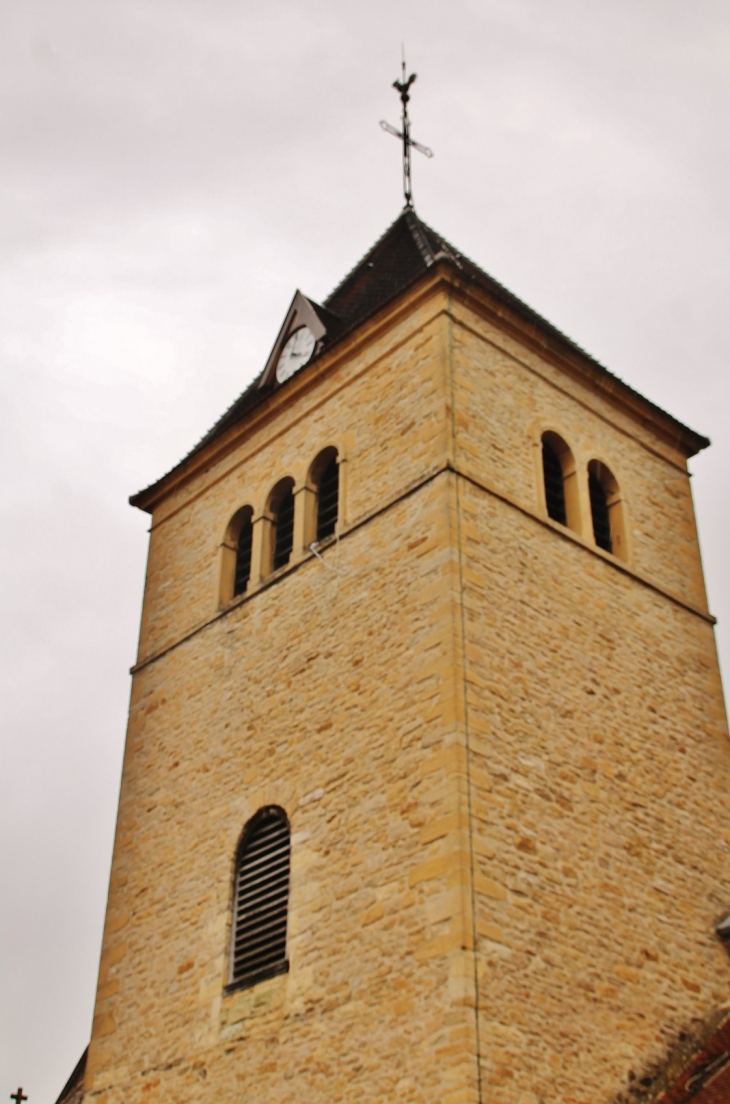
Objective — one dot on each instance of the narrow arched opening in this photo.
(599, 512)
(552, 472)
(236, 555)
(325, 478)
(607, 514)
(281, 512)
(559, 481)
(244, 545)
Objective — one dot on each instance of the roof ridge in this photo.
(417, 229)
(463, 262)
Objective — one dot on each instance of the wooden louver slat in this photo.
(261, 900)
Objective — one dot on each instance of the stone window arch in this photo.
(236, 555)
(324, 478)
(607, 514)
(560, 481)
(261, 899)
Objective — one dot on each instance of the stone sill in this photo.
(249, 980)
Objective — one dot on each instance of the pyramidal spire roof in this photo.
(399, 258)
(404, 252)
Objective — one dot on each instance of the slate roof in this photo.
(400, 256)
(406, 250)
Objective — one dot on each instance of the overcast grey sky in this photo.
(171, 172)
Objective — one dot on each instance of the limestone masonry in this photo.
(502, 751)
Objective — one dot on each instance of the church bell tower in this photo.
(425, 793)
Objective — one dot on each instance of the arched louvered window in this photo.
(552, 471)
(598, 493)
(607, 510)
(243, 554)
(236, 555)
(261, 899)
(560, 481)
(325, 475)
(282, 513)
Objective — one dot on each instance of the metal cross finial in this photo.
(403, 87)
(18, 1096)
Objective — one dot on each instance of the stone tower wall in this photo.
(331, 695)
(483, 726)
(600, 765)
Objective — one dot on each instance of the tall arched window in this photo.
(236, 555)
(281, 506)
(325, 476)
(606, 509)
(261, 899)
(559, 481)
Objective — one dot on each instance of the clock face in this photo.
(295, 354)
